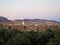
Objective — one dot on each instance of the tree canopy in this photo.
(16, 37)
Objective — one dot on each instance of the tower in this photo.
(22, 22)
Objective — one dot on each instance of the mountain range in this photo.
(6, 20)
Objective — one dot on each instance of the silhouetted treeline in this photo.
(16, 37)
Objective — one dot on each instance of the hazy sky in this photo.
(21, 9)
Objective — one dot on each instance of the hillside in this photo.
(4, 20)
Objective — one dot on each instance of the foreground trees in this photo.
(16, 37)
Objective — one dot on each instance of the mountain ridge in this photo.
(6, 20)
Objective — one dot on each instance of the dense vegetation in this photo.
(16, 37)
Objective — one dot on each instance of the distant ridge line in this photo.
(5, 20)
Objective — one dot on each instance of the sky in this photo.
(30, 9)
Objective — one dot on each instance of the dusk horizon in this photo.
(29, 22)
(30, 19)
(33, 9)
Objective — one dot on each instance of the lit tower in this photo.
(23, 23)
